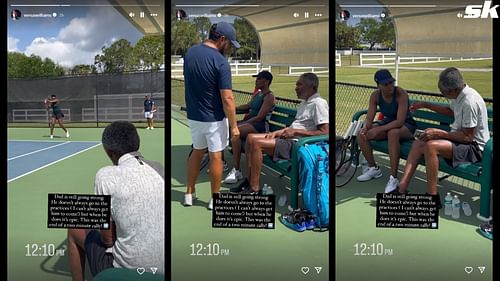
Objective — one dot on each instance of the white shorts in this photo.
(148, 114)
(214, 135)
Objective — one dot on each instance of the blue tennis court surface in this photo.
(26, 157)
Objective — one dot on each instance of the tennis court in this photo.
(38, 166)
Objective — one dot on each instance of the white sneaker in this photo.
(51, 136)
(371, 173)
(211, 204)
(392, 184)
(188, 199)
(152, 128)
(225, 169)
(67, 134)
(234, 176)
(147, 128)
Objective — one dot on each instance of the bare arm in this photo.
(108, 237)
(444, 110)
(466, 135)
(372, 109)
(323, 129)
(229, 106)
(267, 106)
(243, 107)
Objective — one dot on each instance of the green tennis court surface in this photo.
(415, 254)
(78, 159)
(275, 254)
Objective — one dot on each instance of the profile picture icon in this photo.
(15, 14)
(345, 15)
(180, 14)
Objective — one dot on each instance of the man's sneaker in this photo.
(244, 185)
(486, 230)
(371, 173)
(67, 134)
(147, 128)
(188, 199)
(51, 136)
(211, 204)
(234, 176)
(152, 128)
(392, 184)
(225, 169)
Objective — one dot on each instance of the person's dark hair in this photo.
(214, 35)
(52, 96)
(120, 137)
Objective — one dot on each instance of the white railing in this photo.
(237, 69)
(298, 70)
(367, 59)
(338, 59)
(110, 114)
(37, 115)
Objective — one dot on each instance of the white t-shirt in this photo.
(311, 113)
(137, 209)
(470, 111)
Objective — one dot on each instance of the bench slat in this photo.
(285, 110)
(284, 120)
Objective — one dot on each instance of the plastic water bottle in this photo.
(264, 189)
(448, 204)
(455, 211)
(269, 190)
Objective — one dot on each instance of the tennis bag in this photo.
(314, 180)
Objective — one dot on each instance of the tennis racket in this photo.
(347, 155)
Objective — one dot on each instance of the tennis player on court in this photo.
(149, 109)
(210, 104)
(53, 102)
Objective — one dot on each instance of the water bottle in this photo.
(448, 204)
(269, 190)
(264, 189)
(455, 211)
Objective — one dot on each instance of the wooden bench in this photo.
(476, 172)
(282, 117)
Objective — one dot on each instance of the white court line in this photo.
(50, 141)
(29, 153)
(59, 160)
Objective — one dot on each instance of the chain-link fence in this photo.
(86, 100)
(350, 98)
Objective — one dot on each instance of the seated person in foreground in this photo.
(311, 120)
(137, 188)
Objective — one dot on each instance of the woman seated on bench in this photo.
(397, 125)
(259, 107)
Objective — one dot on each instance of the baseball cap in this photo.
(228, 31)
(264, 74)
(383, 76)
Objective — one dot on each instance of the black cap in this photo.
(383, 76)
(264, 74)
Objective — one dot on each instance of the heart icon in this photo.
(304, 269)
(140, 270)
(468, 269)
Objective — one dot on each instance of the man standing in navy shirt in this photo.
(210, 104)
(149, 109)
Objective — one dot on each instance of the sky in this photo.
(75, 36)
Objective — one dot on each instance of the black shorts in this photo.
(409, 123)
(96, 254)
(465, 153)
(260, 127)
(283, 149)
(57, 115)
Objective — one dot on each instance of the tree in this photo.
(118, 57)
(183, 36)
(81, 69)
(149, 52)
(21, 66)
(346, 36)
(374, 31)
(247, 37)
(202, 25)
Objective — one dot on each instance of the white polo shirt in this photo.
(138, 210)
(311, 113)
(470, 111)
